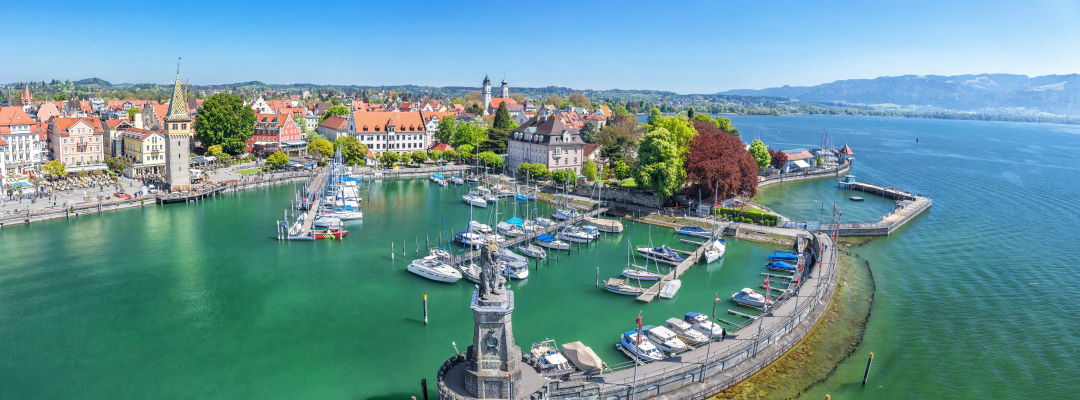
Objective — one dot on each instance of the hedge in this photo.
(751, 215)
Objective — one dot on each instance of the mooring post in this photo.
(416, 242)
(866, 374)
(423, 388)
(425, 309)
(403, 247)
(597, 276)
(391, 250)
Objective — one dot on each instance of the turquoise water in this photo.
(200, 301)
(975, 299)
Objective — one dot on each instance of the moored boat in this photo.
(693, 231)
(702, 323)
(714, 250)
(622, 286)
(329, 233)
(431, 268)
(471, 272)
(784, 256)
(670, 288)
(665, 339)
(532, 250)
(748, 297)
(474, 200)
(660, 253)
(546, 357)
(780, 266)
(641, 274)
(327, 221)
(470, 239)
(606, 225)
(544, 222)
(637, 346)
(546, 240)
(583, 357)
(514, 270)
(685, 331)
(478, 227)
(457, 180)
(563, 214)
(574, 234)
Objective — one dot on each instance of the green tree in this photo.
(224, 119)
(389, 158)
(320, 148)
(312, 136)
(622, 171)
(690, 112)
(215, 150)
(578, 100)
(277, 160)
(115, 164)
(490, 159)
(660, 163)
(132, 111)
(418, 157)
(563, 176)
(468, 134)
(760, 153)
(496, 141)
(300, 122)
(820, 161)
(588, 133)
(450, 155)
(435, 155)
(466, 150)
(54, 169)
(352, 151)
(654, 113)
(533, 170)
(448, 127)
(589, 170)
(332, 111)
(502, 118)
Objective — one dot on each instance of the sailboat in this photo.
(713, 250)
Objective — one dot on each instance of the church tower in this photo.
(27, 99)
(178, 143)
(487, 95)
(505, 89)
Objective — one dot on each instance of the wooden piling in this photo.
(866, 373)
(425, 309)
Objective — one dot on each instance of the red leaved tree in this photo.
(778, 158)
(719, 164)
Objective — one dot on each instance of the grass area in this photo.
(251, 171)
(629, 183)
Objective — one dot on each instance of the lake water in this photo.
(974, 299)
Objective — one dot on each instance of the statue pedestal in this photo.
(492, 362)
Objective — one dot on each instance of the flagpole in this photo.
(708, 347)
(637, 340)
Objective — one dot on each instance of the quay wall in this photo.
(831, 171)
(372, 173)
(633, 196)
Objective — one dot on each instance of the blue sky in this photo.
(687, 47)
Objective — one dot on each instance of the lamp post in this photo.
(708, 347)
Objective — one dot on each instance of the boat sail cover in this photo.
(515, 221)
(783, 256)
(582, 357)
(545, 238)
(781, 265)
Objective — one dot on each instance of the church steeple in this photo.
(178, 103)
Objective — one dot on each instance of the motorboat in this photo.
(440, 253)
(702, 323)
(665, 339)
(486, 194)
(502, 191)
(574, 234)
(532, 250)
(641, 274)
(430, 267)
(784, 256)
(748, 297)
(457, 180)
(475, 201)
(693, 231)
(637, 346)
(583, 357)
(591, 230)
(327, 221)
(525, 196)
(477, 227)
(546, 357)
(622, 286)
(660, 253)
(546, 240)
(514, 270)
(329, 233)
(544, 222)
(470, 239)
(437, 177)
(472, 179)
(670, 288)
(343, 214)
(780, 266)
(563, 214)
(713, 250)
(686, 332)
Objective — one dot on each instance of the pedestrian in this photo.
(723, 333)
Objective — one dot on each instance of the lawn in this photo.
(252, 171)
(629, 183)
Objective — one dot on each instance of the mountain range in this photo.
(986, 93)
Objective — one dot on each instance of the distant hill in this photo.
(997, 93)
(93, 81)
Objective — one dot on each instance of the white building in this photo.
(20, 140)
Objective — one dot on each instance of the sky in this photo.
(681, 46)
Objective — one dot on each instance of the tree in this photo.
(490, 160)
(300, 122)
(450, 155)
(690, 112)
(588, 132)
(389, 158)
(779, 158)
(820, 161)
(54, 169)
(578, 100)
(224, 119)
(681, 129)
(719, 165)
(468, 134)
(320, 148)
(277, 160)
(352, 151)
(563, 176)
(418, 157)
(474, 109)
(502, 118)
(622, 170)
(760, 153)
(589, 170)
(215, 150)
(721, 123)
(131, 113)
(533, 170)
(448, 127)
(660, 163)
(554, 100)
(435, 155)
(115, 164)
(654, 113)
(335, 110)
(496, 141)
(466, 150)
(312, 136)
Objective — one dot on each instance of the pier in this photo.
(910, 205)
(581, 216)
(675, 273)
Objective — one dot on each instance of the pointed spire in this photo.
(178, 103)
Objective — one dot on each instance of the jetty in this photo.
(581, 216)
(676, 272)
(909, 206)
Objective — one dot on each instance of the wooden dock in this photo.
(675, 273)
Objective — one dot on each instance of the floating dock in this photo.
(675, 273)
(468, 256)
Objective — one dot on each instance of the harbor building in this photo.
(22, 143)
(275, 132)
(144, 150)
(397, 131)
(77, 142)
(545, 140)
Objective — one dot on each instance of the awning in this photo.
(296, 143)
(801, 164)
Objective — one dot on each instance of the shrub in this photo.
(748, 216)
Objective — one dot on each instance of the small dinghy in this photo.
(670, 288)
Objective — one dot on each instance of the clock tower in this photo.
(492, 362)
(178, 140)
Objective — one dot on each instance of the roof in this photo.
(546, 130)
(378, 121)
(15, 116)
(589, 149)
(429, 115)
(847, 151)
(271, 120)
(798, 154)
(335, 122)
(138, 134)
(801, 163)
(61, 125)
(496, 101)
(3, 142)
(177, 105)
(442, 147)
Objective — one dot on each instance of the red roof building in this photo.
(275, 132)
(79, 143)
